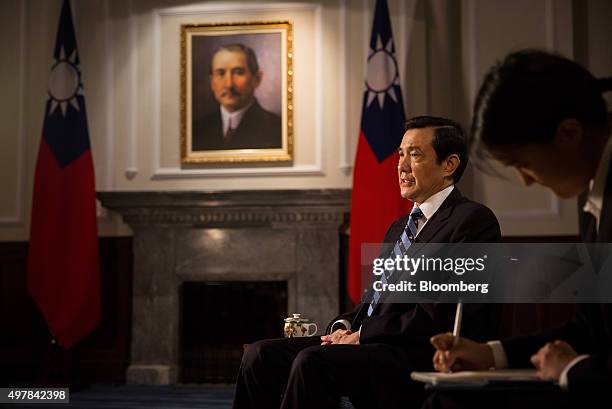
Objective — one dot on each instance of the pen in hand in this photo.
(457, 328)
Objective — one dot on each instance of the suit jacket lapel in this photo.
(433, 226)
(439, 219)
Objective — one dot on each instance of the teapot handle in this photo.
(309, 326)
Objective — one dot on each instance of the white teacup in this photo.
(296, 326)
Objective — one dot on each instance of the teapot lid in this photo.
(296, 318)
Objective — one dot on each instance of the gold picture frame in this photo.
(251, 85)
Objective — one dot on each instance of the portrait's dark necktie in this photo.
(230, 131)
(400, 249)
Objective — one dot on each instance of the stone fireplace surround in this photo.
(270, 235)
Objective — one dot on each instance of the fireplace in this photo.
(219, 318)
(234, 238)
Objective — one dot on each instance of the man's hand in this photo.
(333, 337)
(349, 338)
(340, 336)
(465, 355)
(552, 359)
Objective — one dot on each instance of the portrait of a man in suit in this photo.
(237, 92)
(239, 122)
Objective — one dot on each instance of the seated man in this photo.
(371, 356)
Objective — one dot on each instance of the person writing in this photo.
(545, 115)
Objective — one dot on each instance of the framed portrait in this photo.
(236, 92)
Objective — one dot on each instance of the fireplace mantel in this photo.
(266, 235)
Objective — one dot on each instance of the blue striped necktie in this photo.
(400, 248)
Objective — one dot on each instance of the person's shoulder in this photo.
(395, 228)
(468, 207)
(473, 222)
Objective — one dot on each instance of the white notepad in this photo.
(477, 377)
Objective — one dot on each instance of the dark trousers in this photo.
(300, 373)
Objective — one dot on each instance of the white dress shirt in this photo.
(430, 206)
(232, 119)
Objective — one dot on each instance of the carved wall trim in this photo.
(241, 208)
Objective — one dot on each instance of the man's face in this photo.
(420, 175)
(559, 168)
(231, 81)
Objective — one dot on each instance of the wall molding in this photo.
(314, 169)
(344, 162)
(549, 24)
(469, 11)
(110, 97)
(559, 13)
(16, 219)
(178, 173)
(233, 8)
(132, 169)
(243, 218)
(367, 31)
(271, 208)
(407, 12)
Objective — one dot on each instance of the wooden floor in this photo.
(149, 397)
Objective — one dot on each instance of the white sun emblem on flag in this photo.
(65, 83)
(382, 73)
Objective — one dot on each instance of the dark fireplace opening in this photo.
(219, 318)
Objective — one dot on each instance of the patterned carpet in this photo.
(149, 397)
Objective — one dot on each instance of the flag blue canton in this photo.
(383, 134)
(382, 118)
(67, 137)
(65, 125)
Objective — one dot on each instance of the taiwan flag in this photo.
(376, 200)
(63, 268)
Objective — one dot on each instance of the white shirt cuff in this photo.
(500, 359)
(336, 325)
(563, 381)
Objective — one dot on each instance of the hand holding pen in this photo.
(458, 354)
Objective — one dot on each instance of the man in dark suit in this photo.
(368, 354)
(544, 115)
(240, 122)
(577, 355)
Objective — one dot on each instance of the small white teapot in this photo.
(296, 326)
